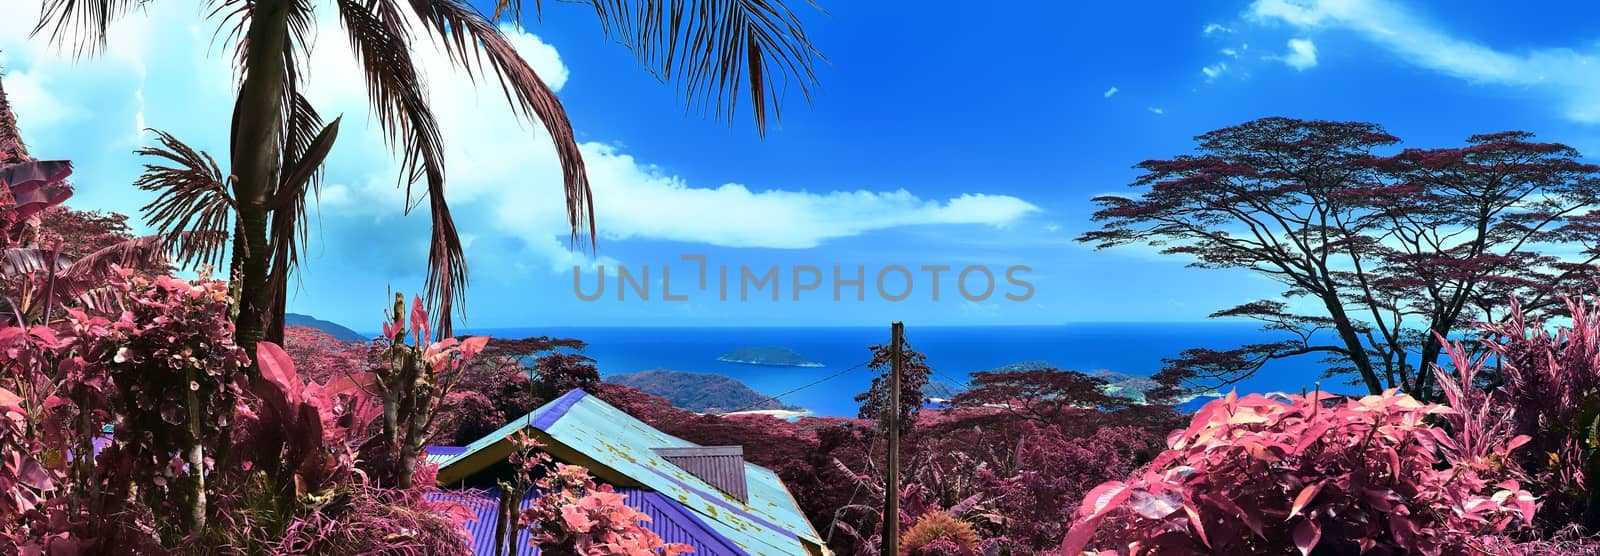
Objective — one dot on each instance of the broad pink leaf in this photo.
(9, 398)
(419, 321)
(356, 383)
(1517, 442)
(34, 475)
(1103, 498)
(1079, 536)
(471, 346)
(278, 368)
(1305, 497)
(1306, 535)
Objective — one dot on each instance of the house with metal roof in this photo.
(707, 497)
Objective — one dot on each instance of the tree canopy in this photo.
(1385, 253)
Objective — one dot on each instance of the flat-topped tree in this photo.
(278, 140)
(1386, 252)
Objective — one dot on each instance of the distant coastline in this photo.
(773, 356)
(1134, 349)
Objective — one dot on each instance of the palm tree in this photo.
(713, 49)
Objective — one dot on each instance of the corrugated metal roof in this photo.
(768, 522)
(668, 519)
(438, 454)
(722, 466)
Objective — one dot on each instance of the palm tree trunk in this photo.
(257, 133)
(197, 465)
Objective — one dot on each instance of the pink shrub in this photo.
(22, 478)
(1550, 380)
(576, 517)
(178, 378)
(1257, 475)
(412, 381)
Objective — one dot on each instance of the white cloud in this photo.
(1567, 74)
(1214, 28)
(1229, 52)
(503, 176)
(1302, 54)
(1110, 92)
(1157, 111)
(1214, 71)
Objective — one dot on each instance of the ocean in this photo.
(953, 353)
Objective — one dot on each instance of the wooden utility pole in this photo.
(891, 481)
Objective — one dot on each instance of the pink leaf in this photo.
(1079, 536)
(1305, 497)
(357, 382)
(1199, 525)
(34, 475)
(9, 398)
(419, 321)
(1306, 535)
(1103, 498)
(471, 346)
(277, 367)
(1096, 504)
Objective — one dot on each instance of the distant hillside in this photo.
(705, 393)
(768, 355)
(938, 389)
(333, 329)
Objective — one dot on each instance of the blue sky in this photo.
(943, 134)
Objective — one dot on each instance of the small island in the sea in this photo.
(768, 355)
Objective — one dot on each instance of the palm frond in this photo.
(84, 280)
(81, 22)
(193, 196)
(152, 251)
(303, 158)
(398, 99)
(16, 261)
(468, 38)
(715, 48)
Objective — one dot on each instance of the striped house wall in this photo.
(667, 519)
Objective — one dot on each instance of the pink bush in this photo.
(1550, 382)
(576, 517)
(1259, 475)
(22, 478)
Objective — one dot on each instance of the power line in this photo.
(953, 381)
(813, 383)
